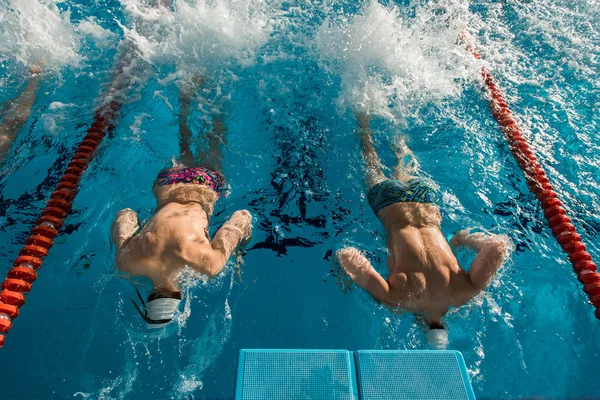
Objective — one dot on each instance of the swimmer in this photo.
(425, 277)
(177, 234)
(16, 112)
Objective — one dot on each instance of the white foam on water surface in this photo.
(92, 28)
(59, 117)
(392, 64)
(200, 37)
(207, 44)
(37, 32)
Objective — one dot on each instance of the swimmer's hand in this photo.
(245, 221)
(358, 267)
(460, 238)
(242, 219)
(355, 265)
(232, 234)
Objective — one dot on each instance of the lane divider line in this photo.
(539, 184)
(21, 276)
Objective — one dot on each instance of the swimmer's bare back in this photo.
(175, 237)
(424, 274)
(425, 277)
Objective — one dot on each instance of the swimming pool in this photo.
(287, 74)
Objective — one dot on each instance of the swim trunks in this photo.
(391, 192)
(193, 175)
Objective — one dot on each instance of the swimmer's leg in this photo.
(185, 108)
(408, 166)
(17, 113)
(374, 174)
(213, 156)
(357, 267)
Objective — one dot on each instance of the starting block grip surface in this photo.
(412, 375)
(340, 374)
(296, 374)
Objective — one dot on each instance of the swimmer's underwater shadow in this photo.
(274, 241)
(297, 180)
(340, 217)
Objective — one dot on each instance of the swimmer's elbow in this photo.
(215, 266)
(118, 263)
(482, 277)
(380, 300)
(478, 287)
(382, 296)
(485, 266)
(214, 271)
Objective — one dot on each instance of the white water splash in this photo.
(101, 36)
(59, 117)
(37, 32)
(199, 36)
(391, 64)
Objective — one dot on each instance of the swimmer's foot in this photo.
(191, 85)
(35, 70)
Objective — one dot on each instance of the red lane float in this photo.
(539, 184)
(19, 279)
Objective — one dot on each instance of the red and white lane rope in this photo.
(539, 184)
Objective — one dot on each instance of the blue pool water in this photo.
(288, 75)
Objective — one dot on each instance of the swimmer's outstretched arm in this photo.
(18, 112)
(227, 238)
(357, 267)
(124, 227)
(491, 252)
(123, 230)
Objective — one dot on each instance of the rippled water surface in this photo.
(288, 76)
